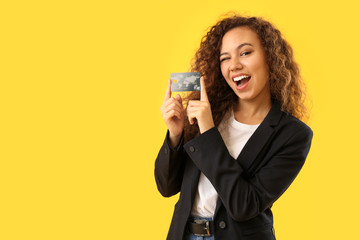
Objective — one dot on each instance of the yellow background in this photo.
(81, 87)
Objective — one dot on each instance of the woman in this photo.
(235, 151)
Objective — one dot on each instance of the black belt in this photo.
(201, 228)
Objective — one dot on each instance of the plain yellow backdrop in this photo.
(81, 84)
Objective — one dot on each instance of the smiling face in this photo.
(243, 65)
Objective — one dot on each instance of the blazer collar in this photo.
(260, 137)
(257, 141)
(274, 115)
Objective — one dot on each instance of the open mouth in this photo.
(241, 81)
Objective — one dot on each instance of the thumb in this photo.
(203, 94)
(178, 98)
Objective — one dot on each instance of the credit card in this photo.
(185, 81)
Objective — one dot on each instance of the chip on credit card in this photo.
(185, 81)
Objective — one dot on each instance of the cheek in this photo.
(261, 68)
(223, 70)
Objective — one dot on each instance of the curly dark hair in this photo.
(286, 85)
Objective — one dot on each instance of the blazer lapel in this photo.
(260, 137)
(257, 141)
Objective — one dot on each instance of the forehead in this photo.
(236, 36)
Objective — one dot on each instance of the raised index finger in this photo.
(203, 94)
(168, 92)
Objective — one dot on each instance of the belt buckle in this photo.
(206, 228)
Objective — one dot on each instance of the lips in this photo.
(241, 80)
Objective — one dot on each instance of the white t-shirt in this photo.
(235, 136)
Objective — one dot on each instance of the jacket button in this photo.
(166, 151)
(192, 149)
(222, 224)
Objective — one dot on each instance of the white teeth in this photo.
(240, 78)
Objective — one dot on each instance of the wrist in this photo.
(206, 127)
(174, 139)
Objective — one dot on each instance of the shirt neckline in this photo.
(238, 124)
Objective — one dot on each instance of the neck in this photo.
(253, 111)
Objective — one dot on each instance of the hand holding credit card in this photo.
(185, 81)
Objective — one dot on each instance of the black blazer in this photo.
(247, 187)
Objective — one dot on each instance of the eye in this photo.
(245, 53)
(223, 59)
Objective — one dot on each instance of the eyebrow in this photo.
(238, 47)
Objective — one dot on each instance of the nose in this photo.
(235, 64)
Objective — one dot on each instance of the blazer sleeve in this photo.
(244, 198)
(169, 167)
